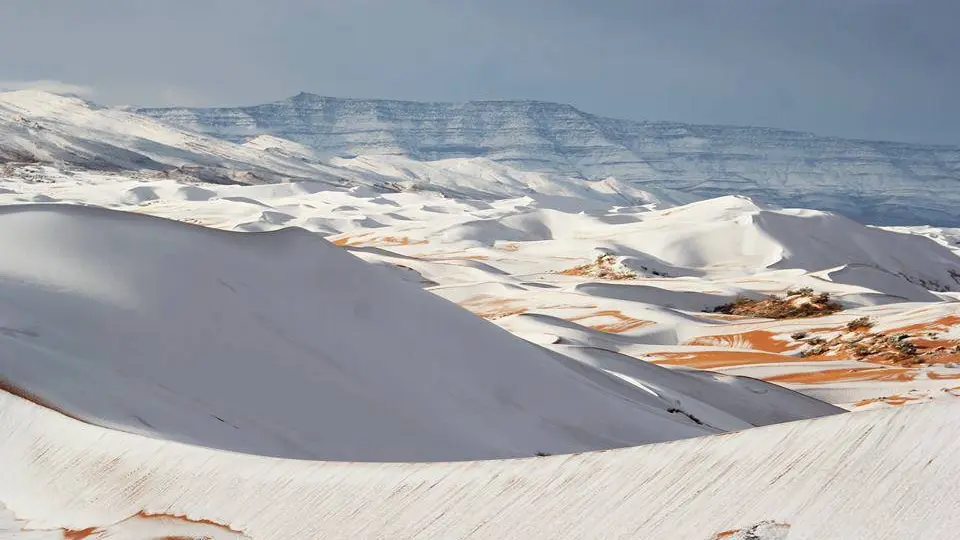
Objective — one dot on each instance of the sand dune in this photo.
(184, 358)
(283, 344)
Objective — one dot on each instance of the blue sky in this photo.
(877, 69)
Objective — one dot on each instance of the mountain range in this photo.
(885, 183)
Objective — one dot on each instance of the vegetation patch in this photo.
(795, 305)
(897, 348)
(860, 323)
(605, 266)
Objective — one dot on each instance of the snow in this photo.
(871, 181)
(500, 258)
(885, 474)
(255, 342)
(191, 358)
(46, 128)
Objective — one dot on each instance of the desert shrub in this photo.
(604, 266)
(860, 322)
(731, 308)
(803, 291)
(775, 307)
(906, 347)
(813, 351)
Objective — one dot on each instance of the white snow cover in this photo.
(47, 128)
(51, 129)
(157, 375)
(283, 344)
(872, 181)
(888, 474)
(499, 258)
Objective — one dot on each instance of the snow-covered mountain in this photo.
(44, 128)
(488, 150)
(40, 127)
(873, 182)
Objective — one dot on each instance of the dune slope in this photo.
(886, 474)
(283, 344)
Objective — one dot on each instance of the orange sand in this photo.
(846, 375)
(721, 359)
(760, 340)
(624, 323)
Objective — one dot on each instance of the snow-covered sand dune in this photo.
(284, 344)
(888, 474)
(158, 375)
(510, 259)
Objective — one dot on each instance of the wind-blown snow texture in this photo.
(879, 475)
(874, 182)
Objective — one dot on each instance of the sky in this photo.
(871, 69)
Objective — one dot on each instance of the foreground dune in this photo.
(814, 478)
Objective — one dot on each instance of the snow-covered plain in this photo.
(158, 375)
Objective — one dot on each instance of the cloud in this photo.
(55, 87)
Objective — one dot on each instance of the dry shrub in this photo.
(605, 266)
(860, 323)
(801, 304)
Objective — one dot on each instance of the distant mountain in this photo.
(40, 127)
(874, 182)
(45, 128)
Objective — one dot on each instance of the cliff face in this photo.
(875, 182)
